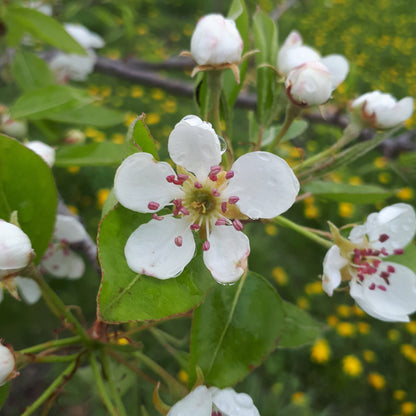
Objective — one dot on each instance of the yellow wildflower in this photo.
(376, 380)
(320, 351)
(280, 276)
(352, 366)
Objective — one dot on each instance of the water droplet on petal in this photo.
(253, 213)
(223, 145)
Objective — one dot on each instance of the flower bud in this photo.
(13, 128)
(15, 249)
(47, 153)
(216, 41)
(7, 364)
(309, 84)
(381, 110)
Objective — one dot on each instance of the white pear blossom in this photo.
(310, 78)
(28, 290)
(381, 110)
(15, 249)
(46, 152)
(11, 127)
(7, 364)
(214, 402)
(72, 66)
(59, 260)
(205, 199)
(382, 288)
(216, 41)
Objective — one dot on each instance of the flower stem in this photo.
(111, 384)
(55, 303)
(302, 230)
(350, 133)
(214, 83)
(292, 111)
(101, 387)
(50, 390)
(65, 342)
(55, 358)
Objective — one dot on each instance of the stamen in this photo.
(153, 205)
(233, 199)
(170, 178)
(215, 192)
(391, 269)
(184, 210)
(383, 251)
(156, 217)
(224, 207)
(383, 238)
(361, 277)
(197, 185)
(178, 241)
(206, 245)
(216, 169)
(195, 227)
(181, 179)
(221, 221)
(372, 286)
(238, 225)
(229, 174)
(213, 177)
(398, 251)
(381, 287)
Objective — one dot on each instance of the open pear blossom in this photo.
(7, 364)
(73, 66)
(59, 260)
(216, 44)
(310, 78)
(205, 199)
(382, 111)
(47, 153)
(214, 402)
(382, 288)
(15, 249)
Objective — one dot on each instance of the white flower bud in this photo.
(381, 110)
(216, 41)
(309, 84)
(47, 153)
(7, 365)
(15, 249)
(13, 128)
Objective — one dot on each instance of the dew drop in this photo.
(223, 145)
(253, 213)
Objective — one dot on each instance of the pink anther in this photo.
(224, 207)
(216, 192)
(184, 210)
(197, 185)
(153, 205)
(233, 199)
(156, 217)
(229, 174)
(391, 269)
(206, 245)
(381, 287)
(170, 178)
(221, 221)
(179, 241)
(238, 225)
(195, 227)
(383, 238)
(398, 251)
(215, 169)
(213, 177)
(372, 286)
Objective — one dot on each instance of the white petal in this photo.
(194, 145)
(226, 258)
(69, 229)
(338, 67)
(231, 403)
(291, 57)
(197, 403)
(265, 184)
(62, 262)
(333, 263)
(83, 36)
(402, 110)
(15, 249)
(398, 221)
(29, 290)
(75, 67)
(151, 249)
(47, 153)
(7, 364)
(140, 180)
(393, 304)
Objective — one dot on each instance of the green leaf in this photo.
(41, 27)
(109, 203)
(235, 329)
(28, 187)
(127, 296)
(139, 138)
(300, 327)
(89, 114)
(357, 194)
(47, 101)
(237, 12)
(30, 71)
(91, 154)
(296, 129)
(4, 392)
(266, 41)
(408, 258)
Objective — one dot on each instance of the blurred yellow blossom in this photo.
(73, 209)
(117, 138)
(393, 334)
(405, 194)
(311, 211)
(345, 329)
(298, 398)
(332, 320)
(345, 209)
(369, 356)
(409, 351)
(376, 380)
(73, 169)
(136, 91)
(363, 327)
(411, 327)
(399, 395)
(344, 310)
(102, 195)
(352, 366)
(271, 229)
(302, 302)
(380, 162)
(355, 180)
(152, 118)
(320, 351)
(183, 376)
(408, 408)
(280, 276)
(314, 288)
(384, 177)
(157, 94)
